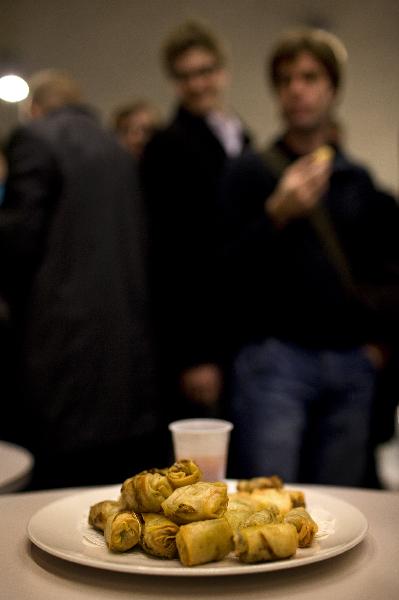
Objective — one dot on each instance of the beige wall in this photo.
(112, 47)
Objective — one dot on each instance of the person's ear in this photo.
(35, 110)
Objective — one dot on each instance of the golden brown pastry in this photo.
(240, 499)
(161, 471)
(304, 524)
(100, 512)
(158, 535)
(260, 543)
(204, 541)
(264, 517)
(183, 472)
(236, 516)
(196, 502)
(277, 497)
(298, 498)
(258, 483)
(146, 491)
(323, 153)
(122, 531)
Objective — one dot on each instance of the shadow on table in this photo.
(325, 573)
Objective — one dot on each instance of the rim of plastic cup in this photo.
(200, 425)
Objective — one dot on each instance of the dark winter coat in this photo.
(73, 268)
(182, 169)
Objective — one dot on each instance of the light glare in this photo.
(13, 88)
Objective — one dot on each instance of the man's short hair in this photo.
(52, 88)
(323, 45)
(189, 35)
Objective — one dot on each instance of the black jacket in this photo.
(73, 268)
(283, 284)
(182, 169)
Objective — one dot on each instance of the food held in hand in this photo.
(323, 154)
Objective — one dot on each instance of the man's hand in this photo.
(202, 384)
(299, 190)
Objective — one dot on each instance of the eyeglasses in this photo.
(205, 71)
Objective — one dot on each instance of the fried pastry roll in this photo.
(237, 516)
(204, 541)
(244, 499)
(297, 498)
(277, 497)
(158, 535)
(183, 472)
(324, 153)
(146, 491)
(264, 517)
(100, 512)
(122, 531)
(260, 543)
(196, 502)
(161, 471)
(304, 524)
(258, 483)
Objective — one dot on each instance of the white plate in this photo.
(61, 530)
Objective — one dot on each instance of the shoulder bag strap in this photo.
(276, 161)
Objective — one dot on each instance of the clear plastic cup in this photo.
(206, 441)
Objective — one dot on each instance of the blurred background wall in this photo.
(112, 47)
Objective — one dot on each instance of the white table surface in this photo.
(16, 465)
(367, 572)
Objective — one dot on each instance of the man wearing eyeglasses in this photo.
(181, 169)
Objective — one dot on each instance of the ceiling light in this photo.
(13, 88)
